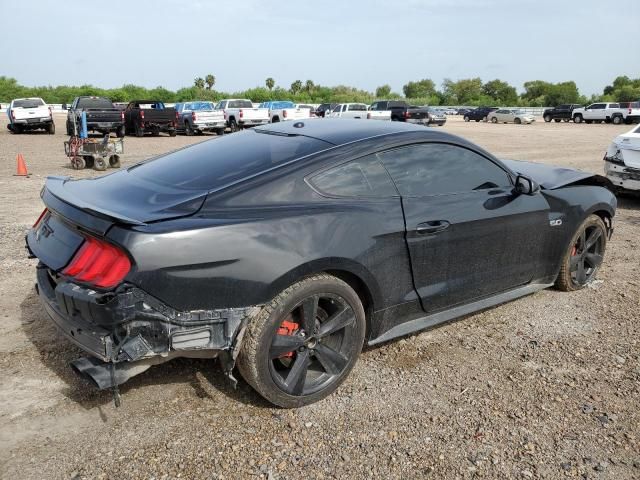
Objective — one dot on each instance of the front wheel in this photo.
(547, 118)
(494, 119)
(577, 119)
(302, 345)
(617, 120)
(517, 121)
(466, 118)
(172, 132)
(584, 255)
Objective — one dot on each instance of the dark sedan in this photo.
(284, 248)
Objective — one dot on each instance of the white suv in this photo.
(30, 114)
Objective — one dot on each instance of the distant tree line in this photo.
(466, 91)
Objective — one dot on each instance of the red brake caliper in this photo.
(287, 327)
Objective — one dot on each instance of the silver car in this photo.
(507, 115)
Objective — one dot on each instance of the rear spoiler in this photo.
(97, 220)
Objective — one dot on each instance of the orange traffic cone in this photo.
(22, 167)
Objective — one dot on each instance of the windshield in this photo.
(215, 163)
(94, 102)
(28, 103)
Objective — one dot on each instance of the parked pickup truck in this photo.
(30, 114)
(559, 113)
(401, 111)
(142, 116)
(349, 110)
(376, 113)
(102, 116)
(240, 113)
(279, 111)
(199, 117)
(436, 117)
(607, 112)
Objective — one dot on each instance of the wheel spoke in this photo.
(593, 259)
(332, 361)
(592, 238)
(309, 310)
(581, 276)
(573, 262)
(583, 239)
(294, 382)
(283, 344)
(339, 320)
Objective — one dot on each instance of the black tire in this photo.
(188, 131)
(88, 160)
(557, 120)
(565, 120)
(517, 121)
(17, 129)
(494, 119)
(51, 128)
(69, 128)
(233, 126)
(617, 120)
(139, 130)
(547, 118)
(220, 132)
(276, 362)
(588, 122)
(78, 163)
(172, 133)
(466, 118)
(99, 164)
(580, 264)
(114, 161)
(577, 118)
(275, 119)
(121, 131)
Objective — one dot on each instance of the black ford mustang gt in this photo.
(284, 248)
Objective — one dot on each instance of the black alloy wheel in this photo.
(304, 344)
(584, 255)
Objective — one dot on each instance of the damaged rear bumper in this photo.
(128, 327)
(622, 176)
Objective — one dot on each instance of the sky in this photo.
(358, 43)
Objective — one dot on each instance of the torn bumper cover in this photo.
(132, 330)
(620, 175)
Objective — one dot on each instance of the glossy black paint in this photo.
(242, 243)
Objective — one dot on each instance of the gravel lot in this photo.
(547, 386)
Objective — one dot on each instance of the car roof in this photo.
(340, 131)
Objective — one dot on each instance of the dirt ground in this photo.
(547, 386)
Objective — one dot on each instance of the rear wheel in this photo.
(302, 345)
(51, 128)
(220, 132)
(172, 132)
(517, 121)
(188, 131)
(577, 119)
(584, 255)
(16, 129)
(99, 164)
(466, 118)
(494, 119)
(233, 126)
(139, 130)
(617, 120)
(547, 118)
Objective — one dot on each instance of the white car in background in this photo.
(350, 110)
(240, 113)
(508, 115)
(283, 110)
(30, 114)
(622, 160)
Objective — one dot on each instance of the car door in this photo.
(468, 234)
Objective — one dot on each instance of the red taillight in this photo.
(406, 115)
(122, 116)
(193, 116)
(284, 114)
(241, 113)
(98, 263)
(44, 212)
(142, 114)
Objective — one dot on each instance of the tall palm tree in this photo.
(270, 83)
(199, 82)
(210, 80)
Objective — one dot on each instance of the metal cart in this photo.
(94, 152)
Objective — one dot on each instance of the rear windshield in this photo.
(396, 104)
(96, 102)
(240, 104)
(218, 162)
(357, 107)
(28, 103)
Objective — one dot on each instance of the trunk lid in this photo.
(255, 113)
(209, 116)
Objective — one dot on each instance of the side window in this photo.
(614, 105)
(438, 168)
(374, 106)
(365, 177)
(598, 106)
(337, 109)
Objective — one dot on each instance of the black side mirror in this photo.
(526, 186)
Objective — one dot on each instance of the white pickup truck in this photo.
(30, 114)
(349, 110)
(607, 112)
(377, 112)
(280, 111)
(240, 113)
